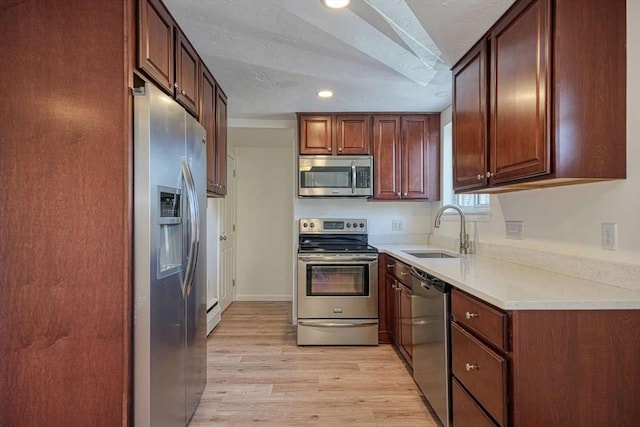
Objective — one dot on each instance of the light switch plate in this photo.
(514, 229)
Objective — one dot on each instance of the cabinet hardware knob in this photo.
(329, 149)
(405, 194)
(471, 367)
(470, 315)
(183, 92)
(479, 176)
(175, 84)
(489, 174)
(340, 149)
(398, 194)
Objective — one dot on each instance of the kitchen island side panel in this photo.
(575, 367)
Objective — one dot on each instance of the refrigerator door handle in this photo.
(194, 222)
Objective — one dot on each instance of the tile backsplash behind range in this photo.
(412, 218)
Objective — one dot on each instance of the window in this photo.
(476, 204)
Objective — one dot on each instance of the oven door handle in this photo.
(336, 324)
(337, 258)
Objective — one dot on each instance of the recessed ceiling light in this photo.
(335, 4)
(441, 94)
(325, 94)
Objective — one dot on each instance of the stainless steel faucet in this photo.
(464, 237)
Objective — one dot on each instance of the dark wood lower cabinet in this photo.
(395, 308)
(559, 368)
(466, 412)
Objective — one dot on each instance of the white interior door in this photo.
(228, 239)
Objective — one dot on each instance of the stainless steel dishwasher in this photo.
(430, 308)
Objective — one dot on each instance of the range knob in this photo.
(355, 225)
(348, 225)
(362, 225)
(305, 225)
(312, 225)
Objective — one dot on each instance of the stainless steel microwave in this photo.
(335, 176)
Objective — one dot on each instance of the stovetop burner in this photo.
(334, 236)
(336, 249)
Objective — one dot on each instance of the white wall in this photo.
(264, 182)
(567, 220)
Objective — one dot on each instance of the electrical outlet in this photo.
(610, 236)
(397, 225)
(513, 229)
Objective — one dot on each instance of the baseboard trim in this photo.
(263, 298)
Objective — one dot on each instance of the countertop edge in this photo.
(512, 305)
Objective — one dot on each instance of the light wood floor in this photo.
(257, 376)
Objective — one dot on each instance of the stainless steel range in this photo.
(337, 283)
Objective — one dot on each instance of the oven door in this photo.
(338, 286)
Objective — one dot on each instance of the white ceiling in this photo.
(272, 56)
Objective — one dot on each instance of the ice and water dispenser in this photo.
(170, 236)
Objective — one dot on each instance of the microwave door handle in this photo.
(353, 177)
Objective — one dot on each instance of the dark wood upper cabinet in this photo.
(353, 134)
(406, 154)
(208, 121)
(469, 118)
(386, 155)
(520, 143)
(155, 43)
(552, 110)
(187, 74)
(315, 134)
(220, 184)
(334, 134)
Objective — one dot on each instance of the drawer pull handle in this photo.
(390, 265)
(404, 273)
(471, 367)
(470, 315)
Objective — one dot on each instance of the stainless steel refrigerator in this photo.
(170, 367)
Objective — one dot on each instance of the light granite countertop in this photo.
(512, 286)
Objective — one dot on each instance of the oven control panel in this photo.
(333, 225)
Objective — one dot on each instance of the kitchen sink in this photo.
(423, 254)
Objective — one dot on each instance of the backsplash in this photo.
(608, 272)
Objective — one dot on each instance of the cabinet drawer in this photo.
(488, 322)
(400, 270)
(481, 370)
(466, 412)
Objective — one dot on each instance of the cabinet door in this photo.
(221, 143)
(386, 157)
(392, 309)
(155, 43)
(208, 121)
(187, 74)
(470, 120)
(353, 134)
(406, 341)
(520, 145)
(414, 158)
(315, 134)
